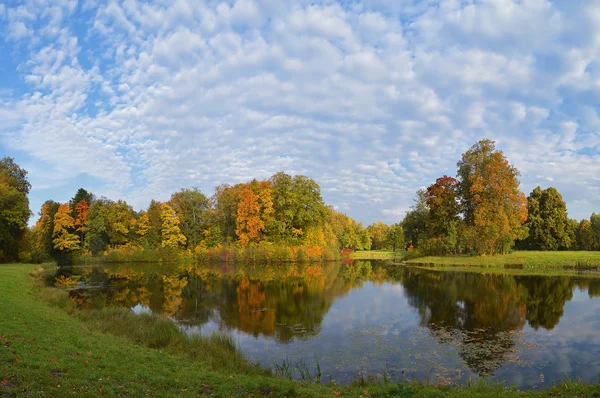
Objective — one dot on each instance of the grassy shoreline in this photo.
(47, 351)
(527, 260)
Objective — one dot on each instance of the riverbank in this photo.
(378, 255)
(568, 260)
(53, 351)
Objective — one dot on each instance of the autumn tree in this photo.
(587, 238)
(80, 195)
(249, 223)
(547, 221)
(64, 240)
(490, 199)
(442, 223)
(379, 233)
(171, 233)
(14, 208)
(42, 248)
(81, 215)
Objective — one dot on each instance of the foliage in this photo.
(171, 233)
(547, 221)
(191, 207)
(14, 208)
(64, 240)
(416, 219)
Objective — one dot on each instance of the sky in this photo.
(373, 99)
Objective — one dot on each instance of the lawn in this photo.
(46, 350)
(519, 259)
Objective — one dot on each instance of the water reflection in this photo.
(480, 322)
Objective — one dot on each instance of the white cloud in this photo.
(372, 99)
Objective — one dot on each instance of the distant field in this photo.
(378, 255)
(518, 259)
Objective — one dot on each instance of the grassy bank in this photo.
(49, 349)
(519, 259)
(378, 255)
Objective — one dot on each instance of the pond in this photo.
(370, 318)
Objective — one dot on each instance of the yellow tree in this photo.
(81, 209)
(249, 223)
(491, 201)
(171, 233)
(64, 240)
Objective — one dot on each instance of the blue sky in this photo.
(373, 99)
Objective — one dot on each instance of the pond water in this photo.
(369, 318)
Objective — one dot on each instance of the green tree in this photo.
(490, 198)
(379, 232)
(297, 205)
(14, 208)
(191, 207)
(395, 237)
(547, 221)
(80, 195)
(416, 219)
(587, 238)
(595, 220)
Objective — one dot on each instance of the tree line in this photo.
(482, 211)
(283, 210)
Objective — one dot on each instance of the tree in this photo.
(297, 205)
(64, 240)
(379, 235)
(249, 223)
(14, 208)
(42, 245)
(118, 222)
(80, 195)
(171, 233)
(547, 221)
(395, 237)
(490, 198)
(595, 220)
(442, 223)
(587, 238)
(81, 214)
(191, 207)
(415, 221)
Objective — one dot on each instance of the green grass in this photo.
(47, 348)
(378, 255)
(573, 260)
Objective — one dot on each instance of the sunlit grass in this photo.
(581, 260)
(57, 350)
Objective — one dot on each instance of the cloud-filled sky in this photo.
(373, 99)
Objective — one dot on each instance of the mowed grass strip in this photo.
(525, 259)
(45, 351)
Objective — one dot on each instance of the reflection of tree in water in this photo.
(480, 314)
(476, 312)
(546, 298)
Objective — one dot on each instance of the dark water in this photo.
(371, 318)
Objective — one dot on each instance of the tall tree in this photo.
(171, 233)
(442, 225)
(64, 240)
(490, 198)
(379, 232)
(395, 237)
(416, 219)
(249, 223)
(587, 238)
(14, 208)
(595, 220)
(297, 204)
(80, 195)
(191, 207)
(547, 221)
(42, 245)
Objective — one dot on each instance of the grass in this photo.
(378, 255)
(49, 349)
(573, 260)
